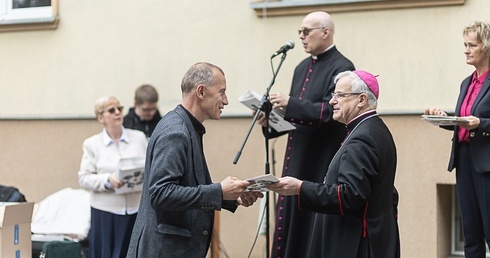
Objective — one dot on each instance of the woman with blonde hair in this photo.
(112, 215)
(471, 141)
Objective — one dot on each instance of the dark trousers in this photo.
(110, 234)
(473, 191)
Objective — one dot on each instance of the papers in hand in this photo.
(260, 183)
(131, 173)
(251, 99)
(443, 120)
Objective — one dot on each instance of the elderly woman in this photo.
(112, 215)
(471, 141)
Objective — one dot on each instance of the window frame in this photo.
(28, 18)
(302, 7)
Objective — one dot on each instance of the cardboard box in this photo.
(15, 229)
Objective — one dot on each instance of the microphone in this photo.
(284, 48)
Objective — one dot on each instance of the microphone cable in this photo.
(257, 234)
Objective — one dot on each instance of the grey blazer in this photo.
(178, 201)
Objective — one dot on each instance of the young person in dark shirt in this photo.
(144, 116)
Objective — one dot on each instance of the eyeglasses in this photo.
(147, 109)
(306, 31)
(112, 110)
(339, 95)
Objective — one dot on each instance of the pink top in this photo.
(469, 99)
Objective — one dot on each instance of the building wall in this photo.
(43, 156)
(50, 80)
(110, 48)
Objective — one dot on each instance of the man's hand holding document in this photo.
(251, 99)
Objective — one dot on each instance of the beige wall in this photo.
(108, 48)
(43, 156)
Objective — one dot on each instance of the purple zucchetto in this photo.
(370, 81)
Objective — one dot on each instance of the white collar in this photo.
(106, 139)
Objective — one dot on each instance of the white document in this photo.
(260, 183)
(131, 172)
(251, 99)
(443, 120)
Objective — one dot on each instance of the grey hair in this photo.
(358, 86)
(199, 73)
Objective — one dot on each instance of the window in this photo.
(28, 14)
(301, 7)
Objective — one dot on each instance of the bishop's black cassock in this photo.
(310, 147)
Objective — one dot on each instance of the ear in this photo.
(200, 91)
(326, 32)
(363, 100)
(100, 118)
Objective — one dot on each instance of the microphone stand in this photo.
(265, 106)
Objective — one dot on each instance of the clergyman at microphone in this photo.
(317, 137)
